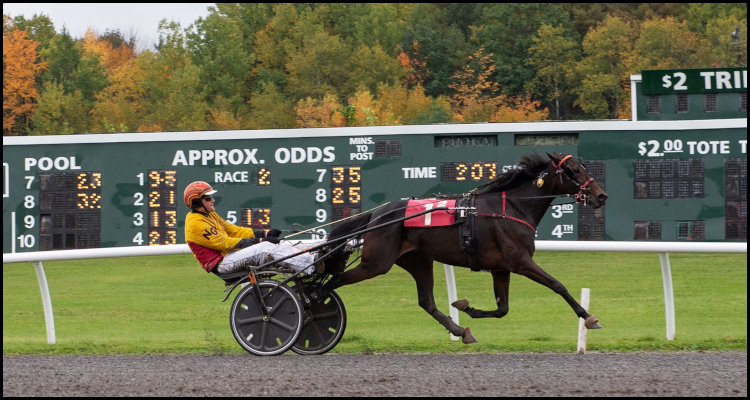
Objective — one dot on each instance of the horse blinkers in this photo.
(563, 168)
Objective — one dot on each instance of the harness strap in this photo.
(504, 215)
(562, 161)
(580, 197)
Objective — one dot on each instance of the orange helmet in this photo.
(196, 190)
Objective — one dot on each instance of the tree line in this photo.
(271, 66)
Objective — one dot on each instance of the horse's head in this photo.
(575, 179)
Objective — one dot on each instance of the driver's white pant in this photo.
(258, 253)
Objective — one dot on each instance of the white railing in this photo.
(663, 248)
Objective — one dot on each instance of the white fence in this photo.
(663, 248)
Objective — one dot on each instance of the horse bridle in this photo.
(568, 172)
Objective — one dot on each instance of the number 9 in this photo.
(29, 221)
(321, 215)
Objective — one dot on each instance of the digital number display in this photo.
(161, 202)
(346, 185)
(70, 210)
(258, 218)
(264, 176)
(468, 171)
(346, 191)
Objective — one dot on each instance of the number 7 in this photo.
(322, 173)
(29, 179)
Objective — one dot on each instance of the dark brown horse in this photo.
(507, 211)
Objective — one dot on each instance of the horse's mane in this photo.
(529, 167)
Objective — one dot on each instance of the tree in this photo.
(62, 56)
(20, 66)
(507, 31)
(602, 75)
(475, 89)
(216, 45)
(422, 109)
(184, 108)
(270, 109)
(40, 29)
(59, 113)
(725, 51)
(318, 66)
(517, 108)
(668, 44)
(120, 50)
(121, 103)
(552, 56)
(414, 68)
(371, 67)
(272, 44)
(442, 48)
(314, 113)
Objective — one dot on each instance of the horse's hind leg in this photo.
(420, 269)
(531, 270)
(501, 284)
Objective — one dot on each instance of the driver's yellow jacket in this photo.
(210, 237)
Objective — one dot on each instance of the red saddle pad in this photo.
(435, 218)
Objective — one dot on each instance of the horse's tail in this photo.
(336, 263)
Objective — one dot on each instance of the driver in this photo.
(223, 247)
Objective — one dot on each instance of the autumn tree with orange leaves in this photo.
(20, 66)
(477, 97)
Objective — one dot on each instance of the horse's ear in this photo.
(551, 157)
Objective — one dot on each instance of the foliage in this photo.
(552, 56)
(507, 30)
(20, 66)
(604, 70)
(285, 65)
(270, 109)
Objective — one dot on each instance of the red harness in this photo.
(580, 197)
(504, 215)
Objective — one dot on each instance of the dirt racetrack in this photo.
(594, 374)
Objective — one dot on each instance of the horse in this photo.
(507, 211)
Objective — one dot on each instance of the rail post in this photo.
(49, 318)
(666, 276)
(585, 296)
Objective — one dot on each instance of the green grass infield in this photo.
(168, 304)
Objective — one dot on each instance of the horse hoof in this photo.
(461, 305)
(468, 337)
(592, 322)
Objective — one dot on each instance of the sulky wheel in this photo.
(266, 336)
(326, 328)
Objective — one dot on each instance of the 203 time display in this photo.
(468, 171)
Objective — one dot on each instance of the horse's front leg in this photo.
(421, 270)
(501, 284)
(531, 270)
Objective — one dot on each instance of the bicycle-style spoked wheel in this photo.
(326, 328)
(266, 336)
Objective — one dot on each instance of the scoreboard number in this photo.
(468, 171)
(346, 191)
(258, 218)
(69, 209)
(161, 206)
